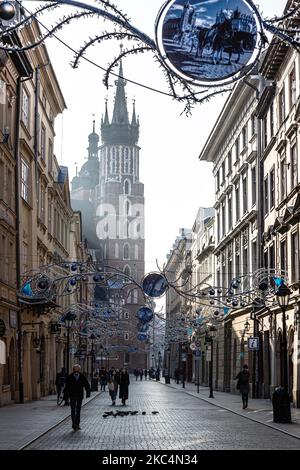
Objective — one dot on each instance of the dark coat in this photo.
(74, 389)
(124, 384)
(243, 381)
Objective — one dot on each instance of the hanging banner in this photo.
(209, 42)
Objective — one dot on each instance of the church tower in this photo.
(120, 214)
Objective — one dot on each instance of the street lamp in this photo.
(281, 398)
(68, 320)
(283, 296)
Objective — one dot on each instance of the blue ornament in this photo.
(26, 289)
(145, 314)
(74, 267)
(142, 336)
(154, 285)
(73, 282)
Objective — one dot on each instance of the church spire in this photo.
(120, 114)
(106, 117)
(134, 119)
(93, 143)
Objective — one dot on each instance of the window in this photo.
(50, 215)
(50, 156)
(25, 180)
(295, 257)
(223, 172)
(126, 336)
(244, 137)
(245, 194)
(113, 161)
(25, 108)
(126, 251)
(229, 158)
(246, 261)
(266, 195)
(116, 250)
(218, 226)
(237, 202)
(223, 219)
(294, 166)
(237, 265)
(272, 188)
(127, 271)
(254, 256)
(9, 187)
(264, 132)
(230, 212)
(218, 180)
(281, 106)
(283, 255)
(43, 142)
(136, 252)
(253, 124)
(271, 257)
(237, 149)
(127, 187)
(292, 87)
(126, 161)
(42, 191)
(272, 122)
(283, 175)
(253, 180)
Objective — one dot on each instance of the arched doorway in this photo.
(291, 362)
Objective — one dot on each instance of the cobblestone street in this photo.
(184, 422)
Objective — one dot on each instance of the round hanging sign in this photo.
(154, 285)
(209, 42)
(145, 314)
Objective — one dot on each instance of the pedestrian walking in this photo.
(146, 374)
(103, 379)
(113, 384)
(75, 385)
(60, 382)
(124, 385)
(141, 374)
(242, 385)
(136, 373)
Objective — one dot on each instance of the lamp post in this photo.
(281, 397)
(283, 297)
(68, 320)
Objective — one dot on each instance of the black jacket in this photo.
(74, 389)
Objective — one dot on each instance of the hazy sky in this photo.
(176, 183)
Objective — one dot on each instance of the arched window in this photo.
(135, 296)
(113, 161)
(138, 228)
(126, 251)
(136, 252)
(127, 271)
(116, 250)
(126, 161)
(127, 187)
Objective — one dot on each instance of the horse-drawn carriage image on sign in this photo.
(209, 41)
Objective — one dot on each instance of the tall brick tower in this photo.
(118, 199)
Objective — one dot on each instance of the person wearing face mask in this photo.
(75, 385)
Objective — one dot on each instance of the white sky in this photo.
(176, 183)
